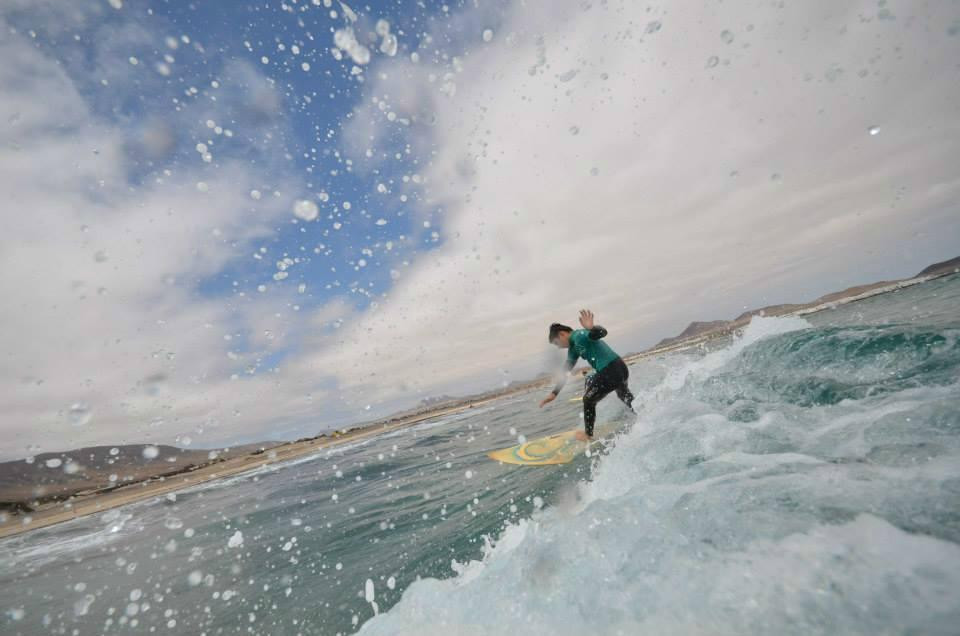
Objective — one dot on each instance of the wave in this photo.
(49, 545)
(800, 480)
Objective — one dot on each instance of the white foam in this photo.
(696, 523)
(50, 545)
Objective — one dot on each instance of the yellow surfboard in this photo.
(560, 448)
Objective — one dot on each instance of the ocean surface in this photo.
(801, 478)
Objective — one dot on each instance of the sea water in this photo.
(802, 477)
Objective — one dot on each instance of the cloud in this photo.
(101, 310)
(637, 162)
(648, 165)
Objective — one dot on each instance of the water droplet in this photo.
(713, 61)
(305, 209)
(487, 35)
(776, 177)
(389, 45)
(236, 540)
(574, 130)
(255, 194)
(874, 130)
(79, 414)
(346, 41)
(653, 27)
(150, 452)
(726, 36)
(594, 171)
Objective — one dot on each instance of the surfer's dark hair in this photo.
(556, 328)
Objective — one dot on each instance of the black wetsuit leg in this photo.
(612, 377)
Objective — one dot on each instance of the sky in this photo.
(288, 217)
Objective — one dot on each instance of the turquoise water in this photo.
(801, 478)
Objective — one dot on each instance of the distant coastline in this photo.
(697, 332)
(21, 512)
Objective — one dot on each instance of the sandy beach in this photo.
(87, 504)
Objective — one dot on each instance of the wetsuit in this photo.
(611, 375)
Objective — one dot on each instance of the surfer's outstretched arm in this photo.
(586, 321)
(561, 380)
(564, 374)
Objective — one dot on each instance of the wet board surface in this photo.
(560, 448)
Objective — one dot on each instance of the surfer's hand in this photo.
(586, 318)
(582, 436)
(547, 400)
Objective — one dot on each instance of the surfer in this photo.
(611, 370)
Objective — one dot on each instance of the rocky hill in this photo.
(695, 329)
(59, 475)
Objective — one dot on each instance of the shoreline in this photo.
(56, 512)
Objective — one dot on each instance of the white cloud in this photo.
(584, 162)
(508, 135)
(99, 277)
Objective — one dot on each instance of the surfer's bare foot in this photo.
(583, 437)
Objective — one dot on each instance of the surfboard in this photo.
(560, 448)
(577, 399)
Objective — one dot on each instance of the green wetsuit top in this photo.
(587, 344)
